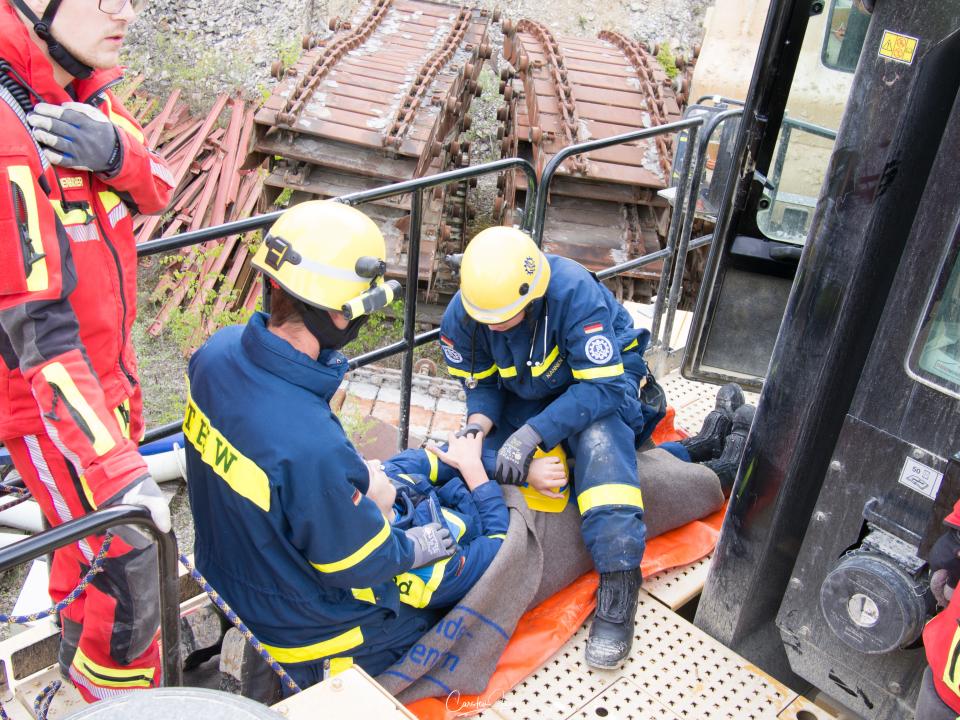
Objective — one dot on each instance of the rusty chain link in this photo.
(570, 121)
(641, 61)
(424, 79)
(327, 57)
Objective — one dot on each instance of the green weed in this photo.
(667, 60)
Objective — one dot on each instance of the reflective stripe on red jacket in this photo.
(941, 640)
(68, 279)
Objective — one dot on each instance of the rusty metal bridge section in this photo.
(560, 91)
(384, 98)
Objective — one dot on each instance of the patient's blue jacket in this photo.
(477, 520)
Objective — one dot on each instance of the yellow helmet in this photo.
(502, 271)
(324, 253)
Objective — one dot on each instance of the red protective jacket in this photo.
(68, 280)
(941, 640)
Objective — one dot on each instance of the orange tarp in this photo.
(543, 630)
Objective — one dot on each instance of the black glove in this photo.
(471, 429)
(943, 556)
(431, 542)
(77, 135)
(515, 456)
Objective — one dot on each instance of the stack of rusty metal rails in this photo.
(206, 157)
(559, 91)
(383, 98)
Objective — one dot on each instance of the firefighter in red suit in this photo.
(940, 691)
(73, 167)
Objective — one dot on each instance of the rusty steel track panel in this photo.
(604, 208)
(384, 98)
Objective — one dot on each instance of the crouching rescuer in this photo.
(285, 529)
(548, 358)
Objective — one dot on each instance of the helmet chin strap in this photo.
(59, 54)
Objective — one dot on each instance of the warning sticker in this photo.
(921, 478)
(895, 46)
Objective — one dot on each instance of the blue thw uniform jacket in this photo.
(575, 358)
(478, 520)
(284, 530)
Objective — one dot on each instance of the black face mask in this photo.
(321, 326)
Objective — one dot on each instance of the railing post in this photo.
(680, 210)
(410, 317)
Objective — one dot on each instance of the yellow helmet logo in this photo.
(502, 271)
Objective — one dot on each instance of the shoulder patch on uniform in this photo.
(451, 354)
(598, 349)
(357, 497)
(446, 341)
(592, 328)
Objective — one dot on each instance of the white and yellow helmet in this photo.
(502, 272)
(324, 253)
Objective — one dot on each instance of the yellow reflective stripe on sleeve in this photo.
(453, 518)
(631, 346)
(598, 372)
(538, 370)
(334, 646)
(610, 494)
(38, 279)
(507, 372)
(414, 591)
(407, 478)
(498, 536)
(121, 121)
(74, 217)
(239, 472)
(339, 664)
(125, 677)
(358, 556)
(457, 372)
(109, 200)
(58, 378)
(951, 670)
(364, 594)
(434, 462)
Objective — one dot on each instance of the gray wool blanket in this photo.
(542, 553)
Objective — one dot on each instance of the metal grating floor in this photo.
(676, 587)
(675, 671)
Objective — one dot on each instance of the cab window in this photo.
(935, 353)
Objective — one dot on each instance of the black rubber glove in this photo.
(515, 456)
(77, 135)
(471, 429)
(431, 542)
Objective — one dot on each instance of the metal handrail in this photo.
(410, 340)
(96, 523)
(261, 222)
(550, 170)
(689, 213)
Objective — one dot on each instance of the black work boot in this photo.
(708, 443)
(611, 634)
(736, 442)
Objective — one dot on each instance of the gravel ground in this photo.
(211, 46)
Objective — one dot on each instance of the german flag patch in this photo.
(446, 341)
(357, 497)
(592, 328)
